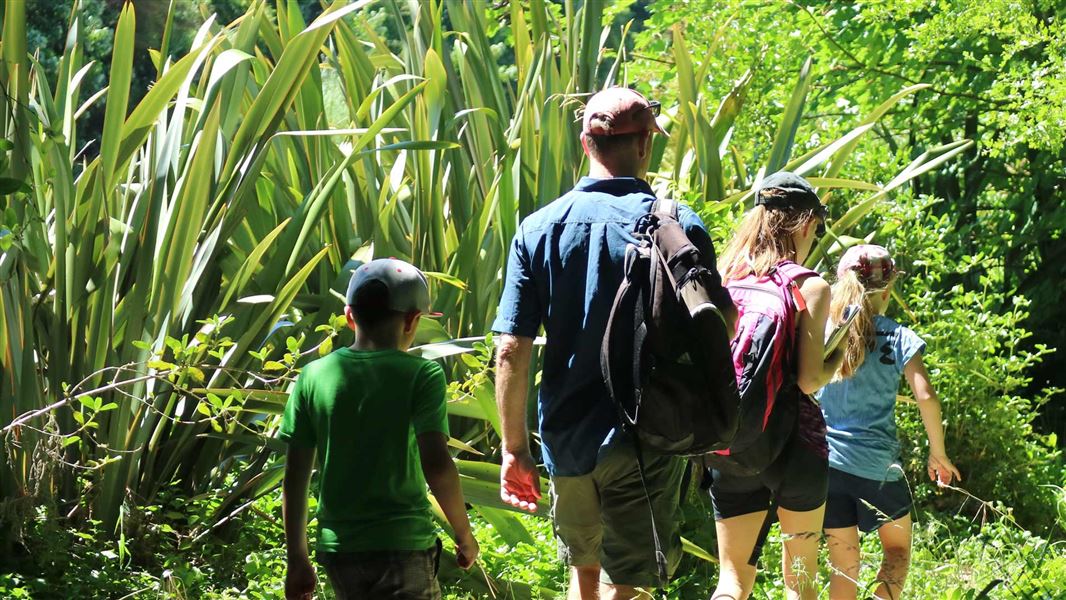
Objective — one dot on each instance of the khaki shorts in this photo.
(603, 517)
(397, 575)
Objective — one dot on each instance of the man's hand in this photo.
(941, 469)
(519, 481)
(466, 551)
(300, 579)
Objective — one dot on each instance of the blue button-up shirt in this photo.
(564, 269)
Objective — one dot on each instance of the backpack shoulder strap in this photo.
(790, 271)
(666, 206)
(786, 275)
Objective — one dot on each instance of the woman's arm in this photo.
(814, 371)
(939, 465)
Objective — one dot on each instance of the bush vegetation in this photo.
(172, 254)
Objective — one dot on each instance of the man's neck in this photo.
(602, 171)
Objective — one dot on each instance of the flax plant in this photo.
(163, 279)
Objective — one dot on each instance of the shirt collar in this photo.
(616, 186)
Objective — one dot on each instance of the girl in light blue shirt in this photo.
(867, 489)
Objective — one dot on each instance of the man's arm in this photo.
(300, 573)
(443, 480)
(519, 479)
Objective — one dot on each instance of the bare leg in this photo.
(844, 555)
(584, 583)
(896, 542)
(736, 540)
(802, 532)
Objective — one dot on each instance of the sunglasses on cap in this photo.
(821, 213)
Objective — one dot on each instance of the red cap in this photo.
(871, 263)
(619, 110)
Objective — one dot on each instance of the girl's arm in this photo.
(941, 469)
(814, 372)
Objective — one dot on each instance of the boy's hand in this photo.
(941, 469)
(519, 481)
(300, 580)
(466, 551)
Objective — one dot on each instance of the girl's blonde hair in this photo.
(861, 337)
(763, 240)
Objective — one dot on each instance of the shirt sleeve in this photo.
(297, 428)
(908, 346)
(429, 407)
(519, 312)
(697, 234)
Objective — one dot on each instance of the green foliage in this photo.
(980, 367)
(161, 290)
(994, 76)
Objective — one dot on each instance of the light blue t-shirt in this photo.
(860, 412)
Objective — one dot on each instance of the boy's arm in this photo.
(300, 574)
(940, 466)
(443, 480)
(519, 479)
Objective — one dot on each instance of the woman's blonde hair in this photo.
(763, 240)
(861, 337)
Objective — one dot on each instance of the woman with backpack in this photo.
(867, 489)
(777, 463)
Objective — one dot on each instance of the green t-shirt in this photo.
(361, 411)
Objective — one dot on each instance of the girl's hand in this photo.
(941, 470)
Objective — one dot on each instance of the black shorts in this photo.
(867, 503)
(797, 481)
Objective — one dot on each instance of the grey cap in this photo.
(407, 287)
(798, 193)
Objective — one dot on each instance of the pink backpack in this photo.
(764, 358)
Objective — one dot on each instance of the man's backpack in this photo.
(765, 359)
(665, 356)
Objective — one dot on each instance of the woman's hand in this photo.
(942, 470)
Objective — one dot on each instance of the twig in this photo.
(134, 593)
(859, 63)
(36, 413)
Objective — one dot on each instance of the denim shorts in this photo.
(866, 503)
(391, 575)
(604, 518)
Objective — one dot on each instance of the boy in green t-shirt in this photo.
(376, 418)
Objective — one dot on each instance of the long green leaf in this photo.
(118, 93)
(790, 121)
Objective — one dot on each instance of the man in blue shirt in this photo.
(564, 269)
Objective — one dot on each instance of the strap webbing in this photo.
(660, 556)
(764, 532)
(666, 206)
